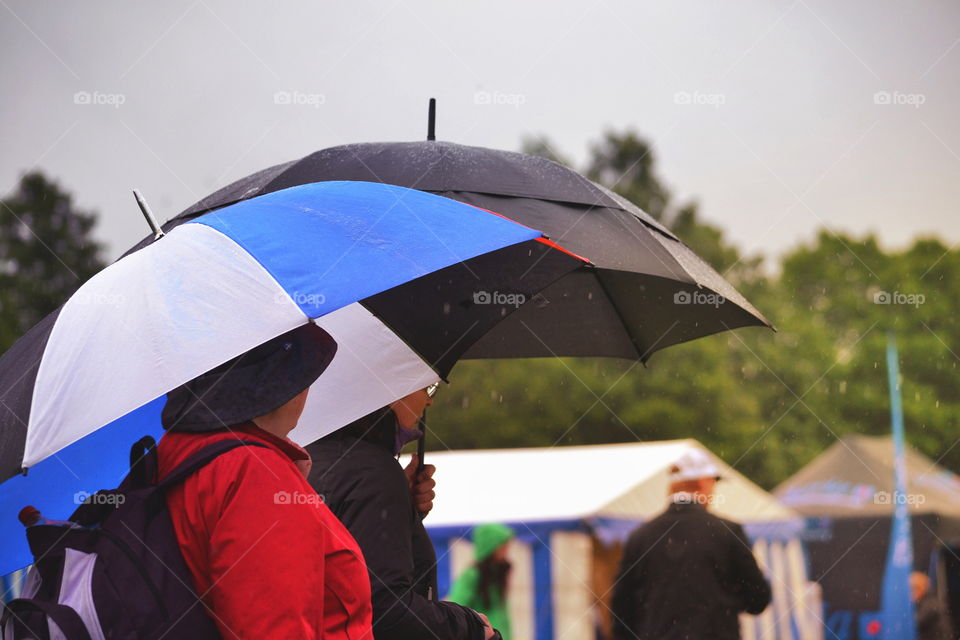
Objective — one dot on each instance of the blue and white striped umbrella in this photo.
(398, 277)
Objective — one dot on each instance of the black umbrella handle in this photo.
(422, 444)
(421, 449)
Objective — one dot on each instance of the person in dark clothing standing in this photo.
(382, 504)
(687, 574)
(932, 620)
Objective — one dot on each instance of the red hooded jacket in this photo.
(268, 558)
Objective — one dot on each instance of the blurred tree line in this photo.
(765, 402)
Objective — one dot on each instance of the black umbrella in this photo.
(648, 290)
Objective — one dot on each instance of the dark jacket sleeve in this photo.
(622, 606)
(748, 582)
(932, 622)
(379, 513)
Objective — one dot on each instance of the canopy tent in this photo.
(573, 506)
(847, 496)
(854, 477)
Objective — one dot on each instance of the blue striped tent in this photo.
(572, 506)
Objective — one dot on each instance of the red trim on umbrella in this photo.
(551, 243)
(542, 239)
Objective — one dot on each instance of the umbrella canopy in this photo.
(649, 290)
(376, 265)
(390, 273)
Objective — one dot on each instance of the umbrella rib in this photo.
(633, 339)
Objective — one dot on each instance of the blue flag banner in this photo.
(895, 597)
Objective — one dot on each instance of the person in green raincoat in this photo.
(483, 587)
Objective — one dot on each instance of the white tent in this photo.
(571, 506)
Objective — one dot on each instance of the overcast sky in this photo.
(778, 116)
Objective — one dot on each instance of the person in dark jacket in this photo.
(687, 574)
(932, 620)
(356, 471)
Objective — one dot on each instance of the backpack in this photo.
(115, 570)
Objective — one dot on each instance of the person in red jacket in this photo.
(268, 558)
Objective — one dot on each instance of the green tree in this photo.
(543, 147)
(843, 295)
(624, 162)
(46, 253)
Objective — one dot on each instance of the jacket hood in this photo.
(488, 537)
(252, 384)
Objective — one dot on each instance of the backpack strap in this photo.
(201, 458)
(68, 620)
